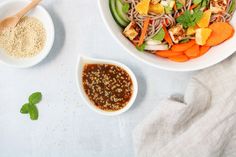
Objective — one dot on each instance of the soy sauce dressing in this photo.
(108, 86)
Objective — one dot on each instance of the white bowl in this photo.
(79, 71)
(8, 8)
(215, 54)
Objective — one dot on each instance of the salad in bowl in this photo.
(178, 30)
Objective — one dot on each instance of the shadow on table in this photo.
(59, 37)
(142, 87)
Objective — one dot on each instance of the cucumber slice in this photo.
(119, 8)
(118, 19)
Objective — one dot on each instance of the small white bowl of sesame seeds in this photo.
(108, 87)
(31, 40)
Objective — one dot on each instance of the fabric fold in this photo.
(203, 125)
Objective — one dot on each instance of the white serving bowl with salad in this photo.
(181, 28)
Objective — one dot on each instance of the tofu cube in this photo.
(177, 33)
(217, 6)
(130, 32)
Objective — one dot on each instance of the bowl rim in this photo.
(50, 41)
(78, 74)
(185, 69)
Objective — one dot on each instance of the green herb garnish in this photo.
(30, 107)
(141, 48)
(160, 35)
(188, 19)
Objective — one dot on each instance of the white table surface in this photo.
(66, 126)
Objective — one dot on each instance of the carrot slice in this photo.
(168, 53)
(221, 31)
(183, 46)
(179, 58)
(167, 36)
(203, 50)
(192, 51)
(175, 7)
(144, 31)
(192, 7)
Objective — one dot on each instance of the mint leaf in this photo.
(160, 35)
(33, 111)
(25, 109)
(141, 48)
(197, 15)
(35, 98)
(125, 8)
(30, 107)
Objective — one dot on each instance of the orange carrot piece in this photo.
(180, 58)
(203, 50)
(168, 53)
(167, 36)
(175, 7)
(144, 31)
(221, 31)
(192, 7)
(183, 46)
(192, 51)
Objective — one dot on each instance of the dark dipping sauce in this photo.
(108, 86)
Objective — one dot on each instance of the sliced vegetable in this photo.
(156, 8)
(152, 42)
(167, 36)
(179, 5)
(196, 2)
(205, 20)
(142, 47)
(144, 31)
(232, 7)
(156, 47)
(118, 19)
(221, 31)
(202, 34)
(125, 8)
(120, 12)
(192, 51)
(142, 7)
(168, 53)
(168, 10)
(203, 50)
(179, 58)
(183, 47)
(160, 35)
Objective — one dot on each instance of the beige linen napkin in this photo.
(203, 124)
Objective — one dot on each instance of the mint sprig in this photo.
(30, 107)
(189, 19)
